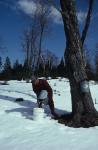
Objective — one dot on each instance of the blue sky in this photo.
(15, 17)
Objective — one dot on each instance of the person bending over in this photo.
(44, 93)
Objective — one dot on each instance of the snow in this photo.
(24, 126)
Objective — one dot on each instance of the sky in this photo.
(15, 17)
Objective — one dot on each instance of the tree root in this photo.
(86, 120)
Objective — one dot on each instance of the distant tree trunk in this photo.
(43, 15)
(83, 110)
(40, 47)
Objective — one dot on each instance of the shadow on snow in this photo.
(27, 107)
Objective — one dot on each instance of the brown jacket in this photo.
(42, 85)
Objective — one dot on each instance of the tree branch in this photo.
(54, 5)
(87, 22)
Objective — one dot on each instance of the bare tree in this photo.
(35, 35)
(0, 64)
(26, 45)
(83, 110)
(30, 44)
(26, 48)
(2, 47)
(43, 17)
(49, 60)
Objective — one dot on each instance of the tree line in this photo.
(19, 71)
(50, 68)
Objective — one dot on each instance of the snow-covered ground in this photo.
(19, 129)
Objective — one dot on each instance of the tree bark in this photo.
(82, 103)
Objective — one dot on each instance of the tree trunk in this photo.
(83, 110)
(40, 47)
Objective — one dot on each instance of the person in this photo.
(44, 93)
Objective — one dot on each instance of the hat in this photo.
(33, 79)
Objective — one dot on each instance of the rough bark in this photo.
(82, 104)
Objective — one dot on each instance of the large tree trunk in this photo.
(83, 110)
